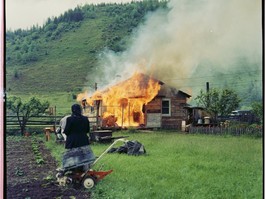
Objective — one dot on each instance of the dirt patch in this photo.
(26, 179)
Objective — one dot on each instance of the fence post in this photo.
(54, 118)
(47, 132)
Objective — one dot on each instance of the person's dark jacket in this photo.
(77, 127)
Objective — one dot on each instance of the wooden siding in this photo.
(178, 113)
(171, 123)
(153, 120)
(154, 106)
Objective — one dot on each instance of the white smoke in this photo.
(171, 45)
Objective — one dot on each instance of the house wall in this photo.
(154, 106)
(178, 114)
(153, 116)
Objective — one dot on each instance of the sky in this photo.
(26, 13)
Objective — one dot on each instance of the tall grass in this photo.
(182, 166)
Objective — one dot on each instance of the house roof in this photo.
(171, 91)
(140, 76)
(141, 80)
(135, 85)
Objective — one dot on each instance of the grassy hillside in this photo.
(57, 61)
(62, 55)
(66, 65)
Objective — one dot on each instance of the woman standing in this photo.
(76, 129)
(77, 141)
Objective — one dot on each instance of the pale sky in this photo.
(26, 13)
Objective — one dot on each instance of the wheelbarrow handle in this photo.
(119, 140)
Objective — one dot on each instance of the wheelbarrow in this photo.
(77, 167)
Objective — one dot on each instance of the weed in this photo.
(49, 177)
(36, 151)
(40, 161)
(19, 171)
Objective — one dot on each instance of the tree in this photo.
(218, 102)
(26, 110)
(229, 101)
(257, 109)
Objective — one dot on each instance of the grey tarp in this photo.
(130, 148)
(77, 157)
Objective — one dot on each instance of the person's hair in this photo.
(76, 109)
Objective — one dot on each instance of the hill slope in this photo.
(62, 55)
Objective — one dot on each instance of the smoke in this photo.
(177, 43)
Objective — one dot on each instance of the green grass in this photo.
(181, 166)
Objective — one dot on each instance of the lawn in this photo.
(180, 166)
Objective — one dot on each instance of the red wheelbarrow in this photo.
(74, 162)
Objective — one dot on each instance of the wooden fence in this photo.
(12, 120)
(247, 130)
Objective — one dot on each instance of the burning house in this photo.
(140, 101)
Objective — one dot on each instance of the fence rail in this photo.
(227, 130)
(12, 120)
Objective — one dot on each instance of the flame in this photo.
(123, 104)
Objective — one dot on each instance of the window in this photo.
(166, 107)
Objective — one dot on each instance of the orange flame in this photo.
(123, 104)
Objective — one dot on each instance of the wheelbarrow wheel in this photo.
(89, 182)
